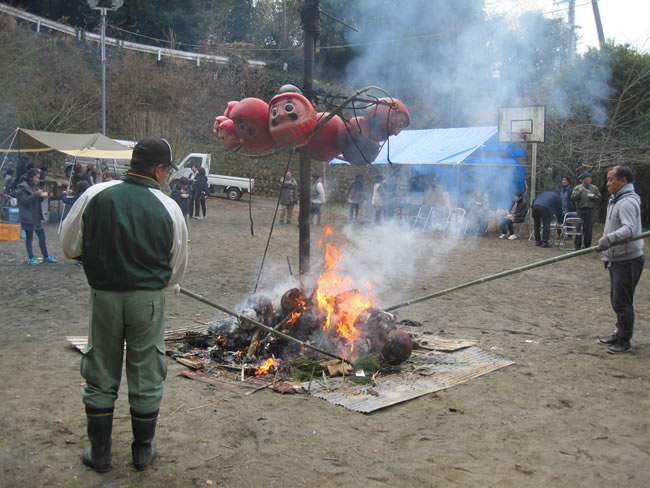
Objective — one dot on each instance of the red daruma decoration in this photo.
(323, 143)
(387, 120)
(224, 129)
(250, 116)
(291, 116)
(353, 138)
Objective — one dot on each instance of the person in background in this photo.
(191, 187)
(288, 198)
(132, 241)
(317, 193)
(72, 195)
(20, 171)
(201, 192)
(182, 197)
(586, 197)
(565, 196)
(477, 212)
(105, 176)
(355, 197)
(378, 198)
(517, 214)
(625, 261)
(390, 197)
(545, 205)
(92, 174)
(31, 215)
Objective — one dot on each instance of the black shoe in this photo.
(144, 429)
(623, 345)
(538, 243)
(609, 340)
(545, 244)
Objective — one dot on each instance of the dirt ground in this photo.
(566, 414)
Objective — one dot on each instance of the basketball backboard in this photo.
(522, 124)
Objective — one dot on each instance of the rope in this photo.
(277, 205)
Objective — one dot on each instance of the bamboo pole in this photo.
(271, 330)
(509, 272)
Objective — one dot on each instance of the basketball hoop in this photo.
(518, 136)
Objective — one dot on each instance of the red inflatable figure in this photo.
(353, 138)
(224, 129)
(231, 104)
(388, 120)
(291, 116)
(250, 116)
(323, 143)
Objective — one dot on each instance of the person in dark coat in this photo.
(565, 197)
(545, 205)
(288, 197)
(517, 214)
(201, 192)
(182, 197)
(31, 215)
(72, 195)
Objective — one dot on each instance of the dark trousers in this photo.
(201, 202)
(29, 239)
(314, 212)
(542, 217)
(507, 226)
(354, 211)
(587, 216)
(623, 278)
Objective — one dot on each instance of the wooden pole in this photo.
(503, 274)
(311, 27)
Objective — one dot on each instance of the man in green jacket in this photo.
(132, 241)
(586, 197)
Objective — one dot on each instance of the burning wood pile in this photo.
(333, 317)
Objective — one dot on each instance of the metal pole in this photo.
(270, 330)
(509, 272)
(310, 20)
(599, 24)
(572, 32)
(103, 49)
(533, 173)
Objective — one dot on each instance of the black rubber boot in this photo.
(144, 429)
(100, 427)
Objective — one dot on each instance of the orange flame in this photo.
(331, 284)
(264, 369)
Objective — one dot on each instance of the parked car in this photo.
(233, 186)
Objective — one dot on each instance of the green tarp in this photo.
(80, 145)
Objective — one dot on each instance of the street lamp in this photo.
(103, 6)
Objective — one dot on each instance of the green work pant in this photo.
(136, 317)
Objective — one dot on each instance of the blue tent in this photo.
(463, 160)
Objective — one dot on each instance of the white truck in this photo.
(233, 186)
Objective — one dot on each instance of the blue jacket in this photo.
(551, 201)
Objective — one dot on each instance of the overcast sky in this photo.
(626, 21)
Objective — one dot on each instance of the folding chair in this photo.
(455, 224)
(571, 228)
(422, 218)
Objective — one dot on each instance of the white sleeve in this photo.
(178, 254)
(72, 228)
(321, 192)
